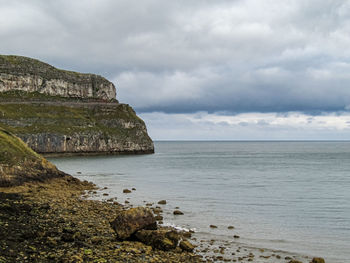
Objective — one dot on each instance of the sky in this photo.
(202, 69)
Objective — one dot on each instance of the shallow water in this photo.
(290, 196)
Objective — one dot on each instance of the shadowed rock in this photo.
(186, 246)
(130, 221)
(158, 239)
(317, 260)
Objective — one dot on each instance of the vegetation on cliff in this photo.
(74, 127)
(19, 163)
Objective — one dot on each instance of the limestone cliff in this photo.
(31, 75)
(64, 120)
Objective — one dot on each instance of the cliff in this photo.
(66, 119)
(31, 75)
(18, 163)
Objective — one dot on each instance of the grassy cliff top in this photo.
(18, 65)
(14, 151)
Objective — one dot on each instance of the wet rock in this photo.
(158, 239)
(134, 189)
(162, 202)
(317, 260)
(158, 217)
(132, 220)
(187, 234)
(236, 236)
(230, 227)
(178, 212)
(213, 226)
(126, 191)
(295, 261)
(186, 246)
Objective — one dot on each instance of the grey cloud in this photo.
(189, 56)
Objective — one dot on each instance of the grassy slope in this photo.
(19, 163)
(14, 151)
(40, 118)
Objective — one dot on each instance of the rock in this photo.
(186, 246)
(158, 239)
(177, 212)
(230, 227)
(187, 234)
(132, 220)
(317, 260)
(213, 226)
(162, 202)
(158, 217)
(134, 189)
(126, 191)
(236, 236)
(295, 261)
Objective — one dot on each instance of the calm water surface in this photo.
(292, 196)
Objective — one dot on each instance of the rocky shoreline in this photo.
(50, 222)
(55, 221)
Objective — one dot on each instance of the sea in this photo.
(291, 196)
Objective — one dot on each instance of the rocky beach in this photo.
(54, 221)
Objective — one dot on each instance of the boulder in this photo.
(317, 260)
(162, 202)
(158, 239)
(132, 220)
(186, 246)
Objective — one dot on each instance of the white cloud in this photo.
(248, 126)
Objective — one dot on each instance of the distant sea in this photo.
(291, 196)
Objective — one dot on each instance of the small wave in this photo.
(179, 227)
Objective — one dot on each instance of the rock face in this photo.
(85, 128)
(31, 75)
(18, 163)
(61, 112)
(158, 239)
(132, 220)
(318, 260)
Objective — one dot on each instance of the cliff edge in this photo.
(31, 75)
(62, 112)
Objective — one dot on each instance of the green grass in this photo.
(42, 118)
(13, 150)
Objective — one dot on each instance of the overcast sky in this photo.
(239, 69)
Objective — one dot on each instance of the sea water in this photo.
(290, 196)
